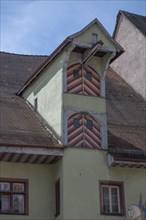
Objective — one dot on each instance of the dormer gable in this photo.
(77, 67)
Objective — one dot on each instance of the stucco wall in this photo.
(132, 64)
(87, 36)
(48, 90)
(83, 168)
(41, 186)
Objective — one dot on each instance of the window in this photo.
(57, 196)
(36, 104)
(89, 75)
(13, 196)
(76, 122)
(89, 124)
(76, 74)
(94, 38)
(111, 198)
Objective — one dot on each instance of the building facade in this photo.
(82, 157)
(130, 33)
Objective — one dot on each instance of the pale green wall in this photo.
(79, 172)
(41, 189)
(48, 89)
(87, 36)
(83, 168)
(86, 103)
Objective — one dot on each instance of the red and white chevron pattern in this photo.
(74, 85)
(83, 84)
(82, 135)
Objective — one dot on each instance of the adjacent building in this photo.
(130, 33)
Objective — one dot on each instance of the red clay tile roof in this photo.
(18, 123)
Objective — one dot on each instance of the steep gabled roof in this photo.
(19, 125)
(126, 115)
(126, 110)
(67, 41)
(138, 21)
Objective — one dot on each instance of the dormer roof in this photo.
(70, 40)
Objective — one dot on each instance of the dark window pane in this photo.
(89, 124)
(89, 75)
(115, 208)
(57, 195)
(94, 38)
(4, 203)
(114, 191)
(76, 122)
(76, 74)
(36, 104)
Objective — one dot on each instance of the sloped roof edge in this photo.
(44, 64)
(96, 21)
(69, 39)
(127, 15)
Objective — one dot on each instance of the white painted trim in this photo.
(65, 129)
(31, 150)
(107, 63)
(65, 64)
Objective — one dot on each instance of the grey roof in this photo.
(126, 110)
(19, 125)
(138, 20)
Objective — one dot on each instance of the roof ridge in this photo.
(132, 13)
(17, 54)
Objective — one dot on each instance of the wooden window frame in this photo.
(121, 203)
(11, 192)
(57, 197)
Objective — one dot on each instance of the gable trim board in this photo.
(70, 40)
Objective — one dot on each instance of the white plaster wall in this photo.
(131, 65)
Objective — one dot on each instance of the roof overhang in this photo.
(30, 154)
(70, 40)
(127, 158)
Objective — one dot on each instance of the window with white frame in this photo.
(13, 196)
(111, 198)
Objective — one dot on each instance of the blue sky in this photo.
(38, 27)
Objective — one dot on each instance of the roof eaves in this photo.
(59, 146)
(44, 64)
